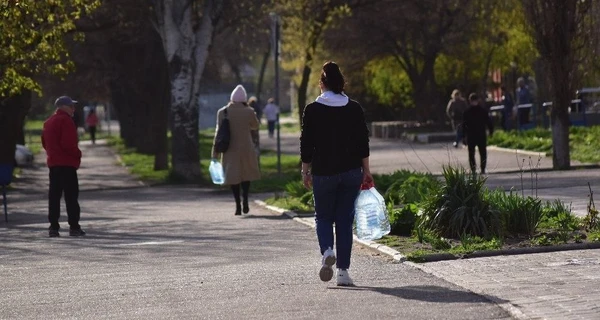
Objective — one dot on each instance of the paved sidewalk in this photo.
(100, 169)
(180, 253)
(173, 253)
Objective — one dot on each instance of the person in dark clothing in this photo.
(475, 120)
(334, 143)
(507, 102)
(59, 139)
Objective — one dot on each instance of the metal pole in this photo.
(276, 58)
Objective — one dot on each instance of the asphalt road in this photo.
(180, 253)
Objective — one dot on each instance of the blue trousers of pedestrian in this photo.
(334, 204)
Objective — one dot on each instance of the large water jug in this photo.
(371, 214)
(216, 172)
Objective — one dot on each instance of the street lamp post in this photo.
(276, 37)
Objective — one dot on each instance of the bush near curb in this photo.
(457, 215)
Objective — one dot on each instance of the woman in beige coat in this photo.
(240, 162)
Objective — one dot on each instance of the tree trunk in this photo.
(560, 146)
(185, 156)
(186, 42)
(261, 76)
(302, 89)
(12, 116)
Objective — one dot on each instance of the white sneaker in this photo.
(343, 278)
(328, 261)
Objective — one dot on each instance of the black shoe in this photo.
(76, 233)
(238, 210)
(246, 208)
(53, 233)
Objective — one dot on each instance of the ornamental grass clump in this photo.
(520, 215)
(460, 207)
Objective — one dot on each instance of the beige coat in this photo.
(240, 162)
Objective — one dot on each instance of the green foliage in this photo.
(520, 215)
(537, 139)
(584, 141)
(402, 220)
(470, 244)
(141, 165)
(295, 189)
(391, 85)
(460, 207)
(32, 40)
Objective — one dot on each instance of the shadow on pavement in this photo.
(426, 293)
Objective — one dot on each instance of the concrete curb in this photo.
(395, 255)
(517, 151)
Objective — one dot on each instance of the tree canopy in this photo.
(32, 40)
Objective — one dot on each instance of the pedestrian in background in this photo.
(456, 106)
(240, 164)
(334, 148)
(507, 102)
(475, 121)
(59, 139)
(92, 122)
(253, 103)
(271, 111)
(523, 97)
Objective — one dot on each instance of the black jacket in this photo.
(334, 139)
(475, 120)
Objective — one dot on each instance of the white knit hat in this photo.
(239, 94)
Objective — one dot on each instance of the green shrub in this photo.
(402, 220)
(460, 207)
(383, 182)
(295, 189)
(412, 189)
(556, 215)
(520, 215)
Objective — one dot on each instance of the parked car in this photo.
(23, 156)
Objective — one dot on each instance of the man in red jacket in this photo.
(59, 139)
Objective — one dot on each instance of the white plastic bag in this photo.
(216, 172)
(371, 215)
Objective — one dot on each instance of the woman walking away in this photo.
(92, 122)
(334, 147)
(240, 163)
(456, 106)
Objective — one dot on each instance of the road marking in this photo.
(150, 243)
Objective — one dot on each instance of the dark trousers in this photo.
(271, 126)
(334, 203)
(482, 147)
(63, 180)
(235, 188)
(92, 130)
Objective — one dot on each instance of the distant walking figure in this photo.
(271, 111)
(240, 163)
(475, 121)
(334, 144)
(92, 122)
(456, 106)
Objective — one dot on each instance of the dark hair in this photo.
(473, 97)
(332, 78)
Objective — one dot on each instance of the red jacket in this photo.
(91, 120)
(59, 139)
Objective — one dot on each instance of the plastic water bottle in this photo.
(216, 172)
(370, 214)
(384, 222)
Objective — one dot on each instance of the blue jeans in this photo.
(334, 203)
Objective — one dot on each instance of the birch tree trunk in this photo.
(186, 40)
